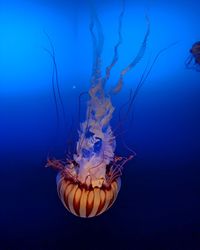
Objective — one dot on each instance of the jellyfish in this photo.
(88, 182)
(193, 60)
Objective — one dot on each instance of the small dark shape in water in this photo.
(193, 60)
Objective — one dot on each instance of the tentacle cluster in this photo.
(70, 170)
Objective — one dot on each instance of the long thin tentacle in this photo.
(145, 74)
(70, 142)
(97, 45)
(121, 123)
(119, 42)
(140, 52)
(188, 61)
(55, 97)
(94, 44)
(55, 74)
(136, 60)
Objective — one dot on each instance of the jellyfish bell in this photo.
(195, 50)
(89, 197)
(193, 60)
(89, 185)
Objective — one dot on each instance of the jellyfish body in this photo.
(193, 60)
(86, 201)
(90, 187)
(89, 182)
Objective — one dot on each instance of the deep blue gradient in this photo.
(159, 202)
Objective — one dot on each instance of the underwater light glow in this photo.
(24, 64)
(26, 68)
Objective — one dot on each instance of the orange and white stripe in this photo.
(86, 202)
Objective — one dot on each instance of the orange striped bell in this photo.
(92, 195)
(84, 201)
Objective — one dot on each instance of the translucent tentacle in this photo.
(146, 74)
(97, 45)
(55, 80)
(188, 62)
(119, 42)
(123, 120)
(135, 61)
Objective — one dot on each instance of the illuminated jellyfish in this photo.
(193, 60)
(88, 183)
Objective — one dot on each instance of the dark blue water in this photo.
(159, 202)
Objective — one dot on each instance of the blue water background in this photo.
(158, 205)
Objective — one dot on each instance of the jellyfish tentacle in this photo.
(70, 143)
(55, 164)
(94, 41)
(123, 106)
(133, 96)
(121, 123)
(117, 168)
(140, 84)
(135, 61)
(141, 52)
(122, 120)
(119, 42)
(83, 132)
(97, 45)
(96, 128)
(79, 115)
(144, 77)
(146, 74)
(55, 97)
(55, 78)
(188, 61)
(54, 89)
